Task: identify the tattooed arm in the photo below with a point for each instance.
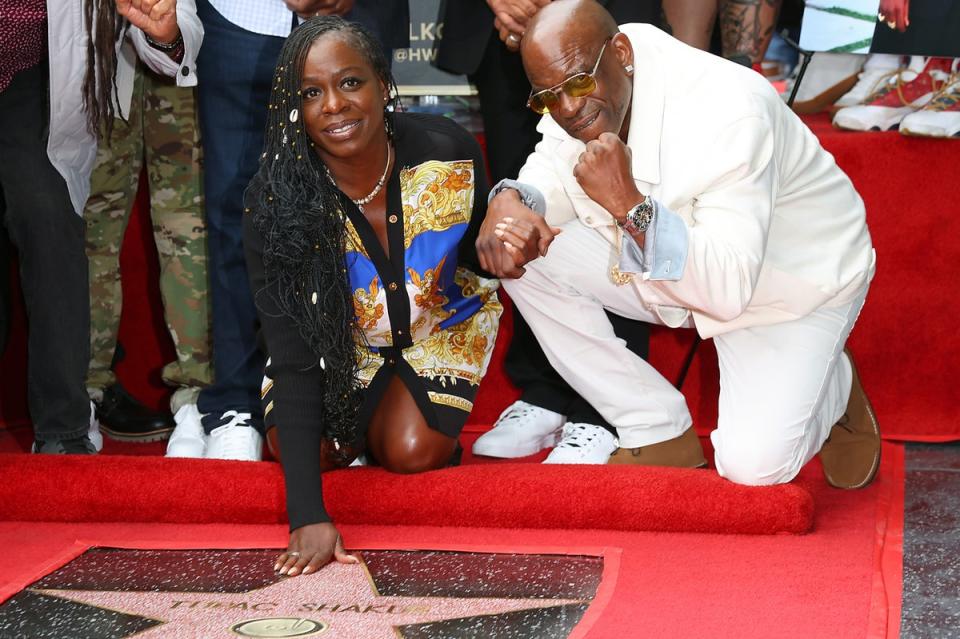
(746, 27)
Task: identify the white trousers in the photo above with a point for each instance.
(782, 387)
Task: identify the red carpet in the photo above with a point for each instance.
(154, 489)
(828, 583)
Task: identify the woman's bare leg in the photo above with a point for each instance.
(399, 437)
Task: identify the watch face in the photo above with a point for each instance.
(641, 215)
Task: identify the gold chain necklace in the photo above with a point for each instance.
(616, 275)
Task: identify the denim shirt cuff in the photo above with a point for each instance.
(665, 246)
(531, 196)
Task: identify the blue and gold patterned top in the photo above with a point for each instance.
(450, 313)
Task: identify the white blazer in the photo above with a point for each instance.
(775, 228)
(71, 147)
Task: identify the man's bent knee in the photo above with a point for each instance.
(756, 462)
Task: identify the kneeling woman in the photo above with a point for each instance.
(359, 233)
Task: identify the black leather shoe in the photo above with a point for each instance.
(123, 417)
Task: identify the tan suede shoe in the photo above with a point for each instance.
(851, 454)
(683, 451)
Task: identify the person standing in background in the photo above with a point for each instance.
(746, 26)
(480, 40)
(243, 39)
(155, 126)
(53, 96)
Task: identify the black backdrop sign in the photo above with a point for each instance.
(413, 67)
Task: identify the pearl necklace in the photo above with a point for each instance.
(377, 187)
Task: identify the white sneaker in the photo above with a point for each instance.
(235, 439)
(521, 430)
(188, 438)
(94, 434)
(583, 444)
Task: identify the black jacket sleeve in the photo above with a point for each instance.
(296, 395)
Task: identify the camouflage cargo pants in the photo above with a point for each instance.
(162, 136)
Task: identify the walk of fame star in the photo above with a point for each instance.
(341, 601)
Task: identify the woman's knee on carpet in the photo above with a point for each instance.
(417, 454)
(400, 437)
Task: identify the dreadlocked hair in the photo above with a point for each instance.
(299, 214)
(99, 81)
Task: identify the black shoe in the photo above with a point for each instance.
(76, 446)
(123, 417)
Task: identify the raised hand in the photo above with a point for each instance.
(311, 548)
(508, 37)
(512, 17)
(156, 18)
(603, 172)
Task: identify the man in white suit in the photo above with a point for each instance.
(688, 195)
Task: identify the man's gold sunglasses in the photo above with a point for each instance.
(576, 86)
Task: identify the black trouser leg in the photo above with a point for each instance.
(49, 238)
(509, 127)
(238, 67)
(5, 303)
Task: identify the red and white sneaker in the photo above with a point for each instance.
(878, 68)
(905, 92)
(940, 118)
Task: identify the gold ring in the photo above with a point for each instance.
(293, 553)
(513, 37)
